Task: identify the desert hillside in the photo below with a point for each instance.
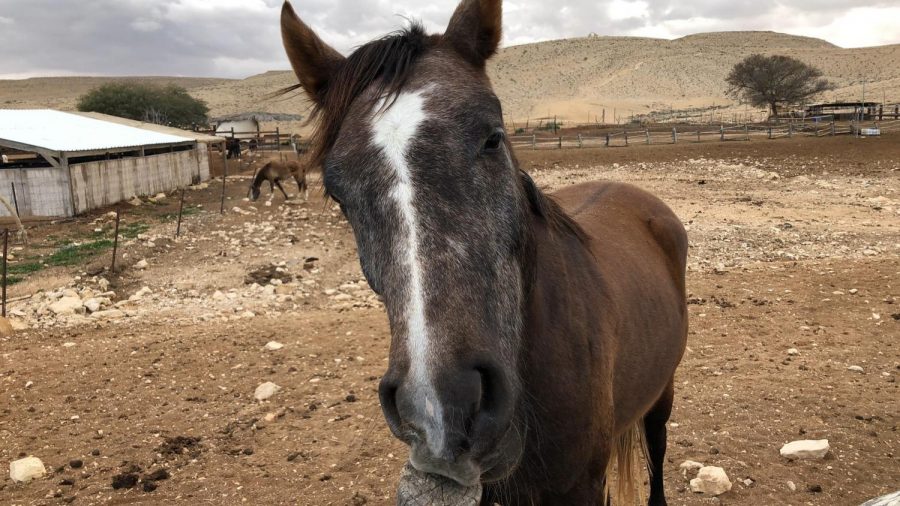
(575, 79)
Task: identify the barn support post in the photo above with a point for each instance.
(64, 163)
(15, 197)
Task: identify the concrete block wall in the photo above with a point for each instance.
(105, 182)
(39, 192)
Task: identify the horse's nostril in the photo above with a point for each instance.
(387, 394)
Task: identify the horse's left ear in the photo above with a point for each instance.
(314, 61)
(475, 29)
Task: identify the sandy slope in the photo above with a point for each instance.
(575, 78)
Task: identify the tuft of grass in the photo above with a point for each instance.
(73, 254)
(24, 267)
(132, 230)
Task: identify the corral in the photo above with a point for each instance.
(792, 276)
(63, 164)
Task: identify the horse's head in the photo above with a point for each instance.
(253, 192)
(411, 140)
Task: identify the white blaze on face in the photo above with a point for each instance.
(394, 129)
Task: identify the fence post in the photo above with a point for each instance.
(722, 133)
(580, 142)
(607, 139)
(5, 254)
(224, 176)
(625, 132)
(112, 266)
(647, 132)
(180, 210)
(674, 135)
(791, 129)
(747, 131)
(832, 127)
(770, 132)
(698, 135)
(560, 142)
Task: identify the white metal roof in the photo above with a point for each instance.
(61, 131)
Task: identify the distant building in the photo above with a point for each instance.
(846, 111)
(63, 164)
(247, 125)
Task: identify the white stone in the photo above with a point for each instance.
(160, 196)
(135, 202)
(711, 480)
(27, 469)
(791, 486)
(68, 344)
(93, 305)
(690, 467)
(266, 390)
(805, 449)
(141, 265)
(855, 368)
(67, 305)
(109, 314)
(793, 351)
(274, 346)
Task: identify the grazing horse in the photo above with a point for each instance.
(534, 338)
(275, 172)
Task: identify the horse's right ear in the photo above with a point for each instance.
(314, 61)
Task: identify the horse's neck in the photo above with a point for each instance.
(260, 176)
(566, 286)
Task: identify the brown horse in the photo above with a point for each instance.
(534, 338)
(275, 172)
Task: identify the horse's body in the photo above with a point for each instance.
(232, 147)
(608, 318)
(534, 339)
(275, 172)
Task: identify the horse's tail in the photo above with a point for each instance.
(624, 458)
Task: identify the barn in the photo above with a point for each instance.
(60, 164)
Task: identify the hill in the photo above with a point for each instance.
(575, 79)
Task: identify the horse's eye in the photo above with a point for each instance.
(493, 142)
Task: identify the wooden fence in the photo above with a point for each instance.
(674, 135)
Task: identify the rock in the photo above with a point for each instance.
(93, 304)
(67, 306)
(885, 500)
(855, 368)
(805, 449)
(136, 201)
(103, 283)
(68, 344)
(711, 480)
(109, 314)
(274, 346)
(160, 196)
(266, 390)
(690, 467)
(416, 487)
(793, 351)
(6, 328)
(141, 265)
(791, 486)
(27, 469)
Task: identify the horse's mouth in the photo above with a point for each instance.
(503, 462)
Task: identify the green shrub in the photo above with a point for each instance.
(165, 105)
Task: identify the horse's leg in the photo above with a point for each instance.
(277, 182)
(655, 435)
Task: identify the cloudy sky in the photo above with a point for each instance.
(238, 38)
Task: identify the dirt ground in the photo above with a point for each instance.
(795, 244)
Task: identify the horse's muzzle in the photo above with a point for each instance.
(457, 424)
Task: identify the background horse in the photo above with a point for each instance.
(534, 339)
(275, 172)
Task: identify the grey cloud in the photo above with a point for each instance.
(236, 38)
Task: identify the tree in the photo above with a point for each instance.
(164, 105)
(772, 81)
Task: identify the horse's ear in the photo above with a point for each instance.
(475, 29)
(314, 61)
